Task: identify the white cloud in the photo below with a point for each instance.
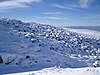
(76, 5)
(65, 7)
(93, 16)
(53, 13)
(16, 3)
(85, 3)
(52, 18)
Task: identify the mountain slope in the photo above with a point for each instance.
(24, 44)
(61, 71)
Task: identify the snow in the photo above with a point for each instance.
(61, 71)
(29, 46)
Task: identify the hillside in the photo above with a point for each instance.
(31, 45)
(62, 71)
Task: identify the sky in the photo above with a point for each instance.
(53, 12)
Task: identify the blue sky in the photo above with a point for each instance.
(53, 12)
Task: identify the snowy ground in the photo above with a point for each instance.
(36, 47)
(67, 71)
(61, 71)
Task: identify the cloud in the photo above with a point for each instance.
(52, 18)
(75, 5)
(93, 16)
(85, 3)
(53, 13)
(9, 4)
(65, 7)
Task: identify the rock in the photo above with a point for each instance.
(27, 56)
(1, 60)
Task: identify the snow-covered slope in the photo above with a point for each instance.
(30, 45)
(61, 71)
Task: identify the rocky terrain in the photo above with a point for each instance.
(29, 44)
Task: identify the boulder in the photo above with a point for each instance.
(1, 60)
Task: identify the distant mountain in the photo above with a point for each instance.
(25, 44)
